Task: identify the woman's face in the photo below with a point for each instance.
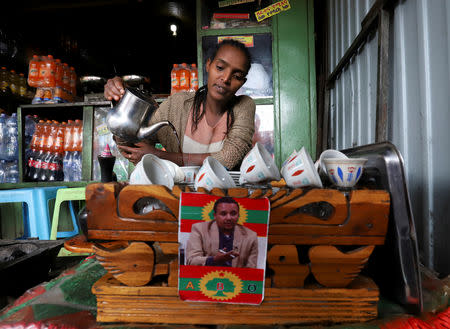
(226, 73)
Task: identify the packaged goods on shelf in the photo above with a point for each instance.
(55, 151)
(183, 77)
(12, 82)
(55, 82)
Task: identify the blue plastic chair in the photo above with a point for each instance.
(37, 217)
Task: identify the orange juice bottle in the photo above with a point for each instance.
(73, 81)
(193, 81)
(51, 71)
(33, 71)
(58, 73)
(184, 75)
(42, 71)
(174, 80)
(66, 77)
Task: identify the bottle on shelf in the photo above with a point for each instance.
(36, 172)
(35, 147)
(14, 82)
(42, 71)
(3, 137)
(193, 81)
(45, 166)
(68, 152)
(77, 149)
(55, 171)
(184, 75)
(4, 80)
(33, 71)
(174, 80)
(49, 78)
(66, 77)
(12, 143)
(12, 172)
(2, 171)
(22, 85)
(58, 73)
(73, 82)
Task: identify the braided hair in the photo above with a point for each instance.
(202, 92)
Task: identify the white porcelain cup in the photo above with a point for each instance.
(328, 154)
(300, 171)
(345, 172)
(258, 166)
(151, 170)
(213, 174)
(175, 170)
(190, 172)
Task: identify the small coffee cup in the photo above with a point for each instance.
(213, 174)
(300, 171)
(151, 170)
(344, 172)
(328, 154)
(258, 166)
(190, 172)
(175, 170)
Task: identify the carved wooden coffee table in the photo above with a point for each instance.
(319, 240)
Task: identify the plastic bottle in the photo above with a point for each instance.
(51, 139)
(30, 127)
(66, 77)
(73, 82)
(41, 151)
(35, 141)
(4, 80)
(184, 75)
(3, 137)
(33, 71)
(42, 71)
(12, 173)
(50, 72)
(11, 152)
(58, 73)
(14, 82)
(174, 80)
(68, 154)
(56, 164)
(77, 145)
(22, 85)
(193, 81)
(2, 171)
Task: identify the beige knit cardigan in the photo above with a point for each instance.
(236, 144)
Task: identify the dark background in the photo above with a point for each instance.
(101, 38)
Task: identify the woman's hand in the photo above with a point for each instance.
(114, 89)
(135, 154)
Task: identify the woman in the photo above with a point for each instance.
(213, 122)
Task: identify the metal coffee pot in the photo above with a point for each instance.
(127, 119)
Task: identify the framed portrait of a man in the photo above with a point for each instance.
(223, 248)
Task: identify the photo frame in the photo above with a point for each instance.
(222, 248)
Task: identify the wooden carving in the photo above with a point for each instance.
(133, 266)
(289, 273)
(333, 268)
(314, 216)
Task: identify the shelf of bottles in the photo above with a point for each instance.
(53, 145)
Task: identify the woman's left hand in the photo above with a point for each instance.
(135, 154)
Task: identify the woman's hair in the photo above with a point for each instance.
(202, 92)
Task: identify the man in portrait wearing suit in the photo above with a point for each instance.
(222, 242)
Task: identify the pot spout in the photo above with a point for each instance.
(146, 132)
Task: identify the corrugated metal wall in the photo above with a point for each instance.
(419, 116)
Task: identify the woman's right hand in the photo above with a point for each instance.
(114, 89)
